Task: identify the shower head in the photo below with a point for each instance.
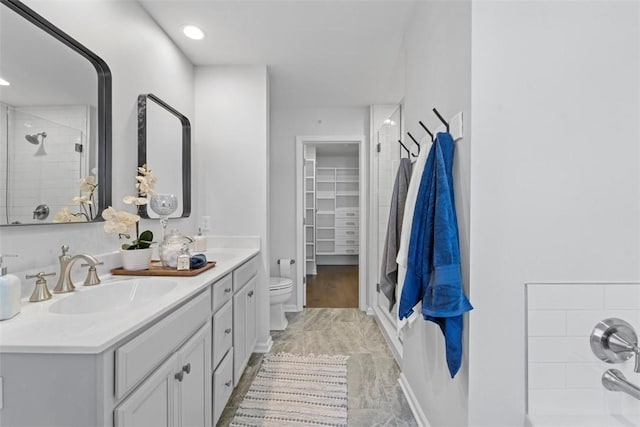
(33, 139)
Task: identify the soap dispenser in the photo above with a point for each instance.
(200, 242)
(10, 292)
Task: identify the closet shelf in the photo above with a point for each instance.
(325, 212)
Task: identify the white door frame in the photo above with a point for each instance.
(363, 253)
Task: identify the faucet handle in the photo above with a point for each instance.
(92, 275)
(41, 291)
(614, 341)
(65, 249)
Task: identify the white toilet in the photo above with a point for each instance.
(280, 289)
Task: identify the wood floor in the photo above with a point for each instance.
(335, 286)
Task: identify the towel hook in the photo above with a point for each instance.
(441, 118)
(406, 149)
(414, 141)
(425, 128)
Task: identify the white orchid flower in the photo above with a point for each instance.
(138, 201)
(65, 215)
(81, 199)
(144, 186)
(88, 184)
(118, 222)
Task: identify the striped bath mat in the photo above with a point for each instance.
(292, 390)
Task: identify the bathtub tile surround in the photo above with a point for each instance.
(375, 398)
(563, 375)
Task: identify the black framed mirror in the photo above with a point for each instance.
(55, 103)
(164, 145)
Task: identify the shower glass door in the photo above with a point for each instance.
(388, 159)
(42, 161)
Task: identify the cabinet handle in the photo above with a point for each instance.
(228, 383)
(227, 331)
(351, 232)
(179, 376)
(350, 251)
(186, 368)
(351, 214)
(351, 223)
(227, 290)
(250, 294)
(351, 241)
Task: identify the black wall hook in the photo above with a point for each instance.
(406, 149)
(414, 141)
(427, 130)
(441, 119)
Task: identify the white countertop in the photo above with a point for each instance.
(37, 330)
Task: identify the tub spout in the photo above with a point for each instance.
(615, 380)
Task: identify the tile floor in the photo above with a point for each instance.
(375, 398)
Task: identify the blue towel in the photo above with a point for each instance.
(433, 267)
(198, 261)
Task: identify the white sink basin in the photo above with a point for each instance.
(113, 296)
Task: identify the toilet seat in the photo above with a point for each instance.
(279, 283)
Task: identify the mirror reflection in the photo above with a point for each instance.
(53, 123)
(164, 140)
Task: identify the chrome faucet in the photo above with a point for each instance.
(65, 284)
(614, 380)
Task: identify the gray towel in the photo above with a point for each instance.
(389, 273)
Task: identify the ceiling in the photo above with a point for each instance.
(319, 53)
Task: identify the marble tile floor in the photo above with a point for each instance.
(375, 397)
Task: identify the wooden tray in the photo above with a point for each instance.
(156, 269)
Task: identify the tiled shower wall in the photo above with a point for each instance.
(61, 168)
(563, 375)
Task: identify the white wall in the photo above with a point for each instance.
(286, 124)
(232, 130)
(142, 59)
(556, 173)
(438, 74)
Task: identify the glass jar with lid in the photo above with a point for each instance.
(173, 244)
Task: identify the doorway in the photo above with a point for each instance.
(331, 221)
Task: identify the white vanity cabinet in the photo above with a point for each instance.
(244, 315)
(175, 367)
(177, 393)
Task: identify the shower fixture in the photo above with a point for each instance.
(33, 139)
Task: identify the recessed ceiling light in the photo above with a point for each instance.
(193, 32)
(3, 82)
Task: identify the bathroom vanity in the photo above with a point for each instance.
(171, 356)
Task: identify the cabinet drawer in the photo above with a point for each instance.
(222, 291)
(138, 357)
(348, 233)
(346, 214)
(222, 385)
(347, 222)
(346, 250)
(347, 241)
(244, 273)
(222, 333)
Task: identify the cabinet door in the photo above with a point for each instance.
(239, 333)
(153, 403)
(250, 318)
(194, 388)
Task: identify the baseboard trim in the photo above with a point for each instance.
(414, 404)
(370, 311)
(263, 347)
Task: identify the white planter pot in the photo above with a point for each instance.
(138, 259)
